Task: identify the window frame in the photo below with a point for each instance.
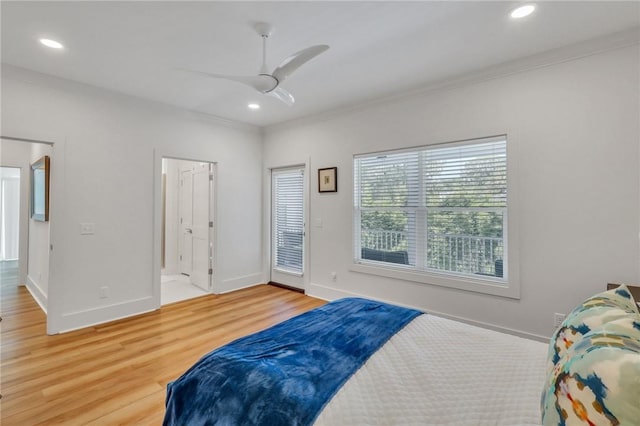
(508, 286)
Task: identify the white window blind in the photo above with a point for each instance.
(440, 208)
(288, 219)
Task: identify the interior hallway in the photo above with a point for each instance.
(8, 285)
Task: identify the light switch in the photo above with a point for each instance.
(87, 228)
(318, 223)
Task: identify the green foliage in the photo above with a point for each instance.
(385, 186)
(478, 186)
(384, 220)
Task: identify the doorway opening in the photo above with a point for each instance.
(24, 223)
(9, 226)
(187, 229)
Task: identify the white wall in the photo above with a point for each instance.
(575, 129)
(39, 239)
(106, 170)
(18, 154)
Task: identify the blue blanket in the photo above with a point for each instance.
(286, 374)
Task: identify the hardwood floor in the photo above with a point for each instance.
(117, 373)
(8, 273)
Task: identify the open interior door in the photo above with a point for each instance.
(185, 232)
(201, 225)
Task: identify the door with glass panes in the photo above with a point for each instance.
(288, 226)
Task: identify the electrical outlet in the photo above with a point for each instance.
(104, 292)
(557, 319)
(334, 277)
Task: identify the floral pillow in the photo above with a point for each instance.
(597, 381)
(589, 315)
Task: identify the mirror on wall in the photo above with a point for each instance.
(40, 189)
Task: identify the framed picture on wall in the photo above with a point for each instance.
(40, 189)
(328, 179)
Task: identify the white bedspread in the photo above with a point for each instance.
(441, 372)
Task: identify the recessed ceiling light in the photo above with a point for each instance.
(253, 106)
(522, 11)
(51, 43)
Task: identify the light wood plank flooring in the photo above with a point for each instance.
(117, 373)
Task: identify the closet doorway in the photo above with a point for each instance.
(187, 231)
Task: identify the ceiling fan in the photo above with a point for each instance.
(270, 83)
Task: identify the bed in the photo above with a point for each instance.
(359, 362)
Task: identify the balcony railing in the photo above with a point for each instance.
(465, 254)
(378, 239)
(289, 242)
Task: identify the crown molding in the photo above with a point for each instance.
(548, 58)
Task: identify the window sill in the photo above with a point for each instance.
(477, 285)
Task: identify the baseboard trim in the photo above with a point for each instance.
(36, 292)
(329, 293)
(238, 283)
(103, 314)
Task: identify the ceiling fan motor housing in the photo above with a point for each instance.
(265, 83)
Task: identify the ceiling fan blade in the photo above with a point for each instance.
(296, 60)
(282, 95)
(262, 82)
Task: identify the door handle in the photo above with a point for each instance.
(189, 230)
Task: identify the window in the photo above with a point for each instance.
(434, 210)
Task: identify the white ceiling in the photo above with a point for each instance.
(377, 48)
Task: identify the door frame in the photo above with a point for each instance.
(269, 217)
(52, 302)
(156, 223)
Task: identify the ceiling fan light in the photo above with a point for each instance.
(522, 11)
(51, 43)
